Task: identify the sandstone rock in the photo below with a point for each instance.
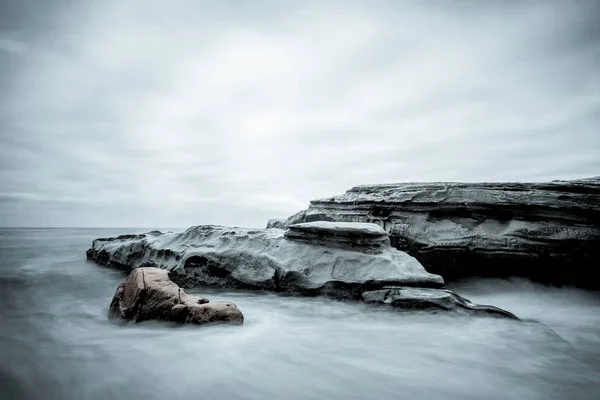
(149, 294)
(549, 232)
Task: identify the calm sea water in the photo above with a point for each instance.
(56, 342)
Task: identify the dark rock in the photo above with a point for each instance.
(548, 232)
(430, 300)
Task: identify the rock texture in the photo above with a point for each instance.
(370, 238)
(338, 258)
(341, 260)
(429, 299)
(549, 232)
(149, 294)
(279, 223)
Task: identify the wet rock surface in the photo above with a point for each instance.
(430, 300)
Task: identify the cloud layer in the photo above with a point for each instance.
(153, 113)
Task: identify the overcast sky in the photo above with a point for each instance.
(176, 113)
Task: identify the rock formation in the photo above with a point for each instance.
(428, 299)
(279, 223)
(341, 260)
(549, 232)
(149, 294)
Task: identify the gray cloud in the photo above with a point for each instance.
(144, 113)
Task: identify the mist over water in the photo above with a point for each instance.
(56, 341)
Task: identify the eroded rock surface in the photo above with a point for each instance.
(325, 258)
(149, 294)
(549, 232)
(341, 260)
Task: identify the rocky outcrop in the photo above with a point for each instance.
(149, 294)
(338, 260)
(549, 232)
(279, 223)
(341, 260)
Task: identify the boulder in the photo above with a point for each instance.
(548, 232)
(149, 294)
(340, 260)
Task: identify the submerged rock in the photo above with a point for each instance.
(430, 299)
(341, 260)
(149, 294)
(549, 232)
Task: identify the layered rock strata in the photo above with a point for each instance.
(549, 232)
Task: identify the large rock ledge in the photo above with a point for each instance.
(346, 261)
(548, 232)
(149, 294)
(366, 237)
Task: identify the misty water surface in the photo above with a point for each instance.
(56, 342)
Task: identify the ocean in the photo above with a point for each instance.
(57, 343)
